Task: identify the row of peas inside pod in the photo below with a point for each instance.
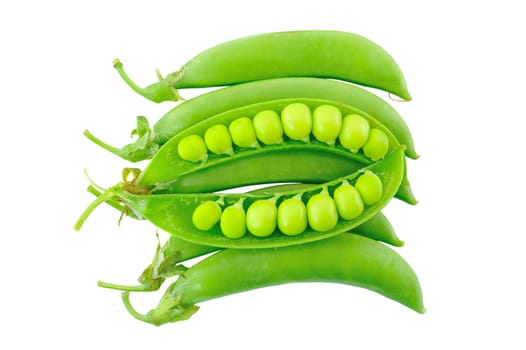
(297, 123)
(341, 166)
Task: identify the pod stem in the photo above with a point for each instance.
(138, 288)
(105, 195)
(168, 310)
(99, 142)
(163, 90)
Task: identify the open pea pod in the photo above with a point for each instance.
(184, 115)
(192, 161)
(176, 213)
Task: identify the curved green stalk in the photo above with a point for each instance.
(164, 90)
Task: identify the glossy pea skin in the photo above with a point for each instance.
(326, 123)
(232, 221)
(262, 218)
(348, 201)
(267, 125)
(377, 145)
(217, 139)
(297, 121)
(370, 187)
(206, 215)
(192, 148)
(243, 133)
(347, 259)
(321, 212)
(354, 132)
(292, 217)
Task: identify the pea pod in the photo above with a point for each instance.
(219, 101)
(287, 161)
(347, 259)
(173, 213)
(315, 53)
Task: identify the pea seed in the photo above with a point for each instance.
(206, 215)
(261, 218)
(348, 201)
(377, 145)
(268, 127)
(321, 212)
(232, 221)
(192, 148)
(217, 139)
(370, 187)
(292, 217)
(354, 133)
(297, 121)
(326, 123)
(242, 132)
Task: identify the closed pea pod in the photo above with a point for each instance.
(346, 259)
(326, 123)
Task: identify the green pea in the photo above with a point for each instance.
(354, 133)
(217, 139)
(261, 218)
(268, 127)
(370, 187)
(297, 121)
(377, 145)
(242, 132)
(326, 123)
(206, 215)
(192, 148)
(232, 221)
(321, 212)
(292, 217)
(348, 201)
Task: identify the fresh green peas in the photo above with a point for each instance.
(377, 145)
(370, 187)
(348, 201)
(206, 215)
(268, 127)
(192, 148)
(232, 221)
(243, 133)
(217, 139)
(321, 212)
(261, 218)
(354, 133)
(297, 121)
(326, 123)
(292, 217)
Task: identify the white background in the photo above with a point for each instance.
(464, 64)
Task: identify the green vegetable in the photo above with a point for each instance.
(315, 53)
(173, 212)
(220, 101)
(346, 259)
